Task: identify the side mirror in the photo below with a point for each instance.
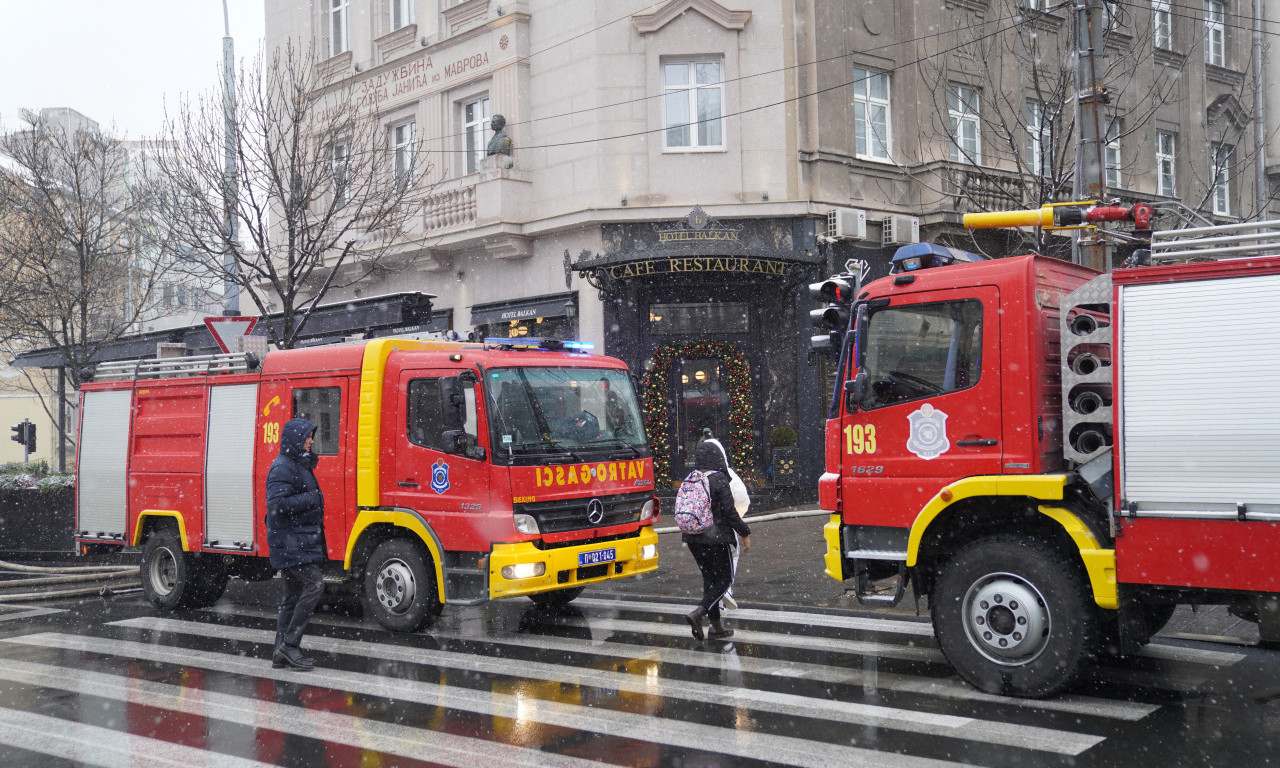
(453, 404)
(459, 443)
(854, 390)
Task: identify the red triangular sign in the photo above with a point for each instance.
(226, 330)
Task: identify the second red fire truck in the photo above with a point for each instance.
(451, 472)
(1055, 457)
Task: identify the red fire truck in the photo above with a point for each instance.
(451, 472)
(1057, 458)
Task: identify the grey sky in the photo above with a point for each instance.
(117, 63)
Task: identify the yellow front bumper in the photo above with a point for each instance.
(562, 569)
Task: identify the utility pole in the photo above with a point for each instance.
(231, 286)
(1259, 112)
(1090, 182)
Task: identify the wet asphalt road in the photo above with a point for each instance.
(613, 679)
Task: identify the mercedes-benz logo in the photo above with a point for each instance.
(595, 511)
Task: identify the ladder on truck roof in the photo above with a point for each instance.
(176, 367)
(1226, 241)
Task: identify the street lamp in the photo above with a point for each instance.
(571, 314)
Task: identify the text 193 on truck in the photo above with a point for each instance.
(451, 472)
(1054, 457)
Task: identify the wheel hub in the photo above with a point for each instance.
(395, 586)
(163, 571)
(1006, 618)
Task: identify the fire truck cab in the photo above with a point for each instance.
(451, 472)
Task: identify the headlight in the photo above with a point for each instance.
(523, 570)
(647, 511)
(526, 524)
(648, 551)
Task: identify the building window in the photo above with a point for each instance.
(1166, 161)
(1037, 5)
(1161, 25)
(1215, 32)
(1221, 155)
(1113, 153)
(693, 105)
(966, 142)
(475, 127)
(702, 319)
(337, 13)
(401, 13)
(341, 165)
(872, 130)
(1038, 157)
(402, 151)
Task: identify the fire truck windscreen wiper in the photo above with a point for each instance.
(616, 442)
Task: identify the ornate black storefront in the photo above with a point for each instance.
(713, 316)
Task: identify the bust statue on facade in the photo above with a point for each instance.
(500, 144)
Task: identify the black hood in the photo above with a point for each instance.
(293, 435)
(708, 456)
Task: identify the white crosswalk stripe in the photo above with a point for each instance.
(610, 670)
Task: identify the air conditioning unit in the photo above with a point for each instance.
(846, 224)
(900, 230)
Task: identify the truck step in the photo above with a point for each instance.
(869, 592)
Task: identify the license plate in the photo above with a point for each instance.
(597, 556)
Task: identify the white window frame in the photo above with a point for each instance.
(1166, 163)
(689, 95)
(1037, 5)
(964, 109)
(337, 16)
(399, 14)
(1215, 33)
(1220, 156)
(1037, 152)
(1161, 25)
(340, 162)
(1113, 159)
(474, 114)
(403, 149)
(872, 141)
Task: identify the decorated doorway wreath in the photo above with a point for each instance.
(657, 413)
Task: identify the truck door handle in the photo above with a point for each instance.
(407, 483)
(981, 441)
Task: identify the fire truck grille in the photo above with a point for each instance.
(575, 514)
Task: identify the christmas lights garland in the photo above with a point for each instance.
(656, 382)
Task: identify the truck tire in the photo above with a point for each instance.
(557, 599)
(1013, 616)
(167, 572)
(208, 581)
(400, 587)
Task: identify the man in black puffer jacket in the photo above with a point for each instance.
(711, 549)
(295, 538)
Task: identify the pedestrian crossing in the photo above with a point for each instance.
(612, 682)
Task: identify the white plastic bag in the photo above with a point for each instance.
(741, 500)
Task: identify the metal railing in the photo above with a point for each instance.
(1225, 241)
(175, 367)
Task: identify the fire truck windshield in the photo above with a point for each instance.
(563, 414)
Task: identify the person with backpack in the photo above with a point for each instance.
(706, 515)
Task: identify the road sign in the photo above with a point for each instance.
(226, 330)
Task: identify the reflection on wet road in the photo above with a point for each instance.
(604, 681)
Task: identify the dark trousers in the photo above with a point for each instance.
(303, 588)
(716, 563)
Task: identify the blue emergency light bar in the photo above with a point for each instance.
(910, 258)
(532, 343)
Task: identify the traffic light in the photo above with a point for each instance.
(19, 433)
(833, 319)
(30, 438)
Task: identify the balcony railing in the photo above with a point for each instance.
(446, 209)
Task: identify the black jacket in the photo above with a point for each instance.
(707, 457)
(295, 506)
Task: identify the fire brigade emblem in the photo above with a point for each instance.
(928, 438)
(439, 476)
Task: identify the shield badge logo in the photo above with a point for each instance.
(439, 476)
(928, 438)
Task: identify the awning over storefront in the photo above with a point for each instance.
(378, 316)
(698, 245)
(522, 309)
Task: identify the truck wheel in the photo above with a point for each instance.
(208, 581)
(400, 587)
(166, 572)
(1013, 616)
(557, 599)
